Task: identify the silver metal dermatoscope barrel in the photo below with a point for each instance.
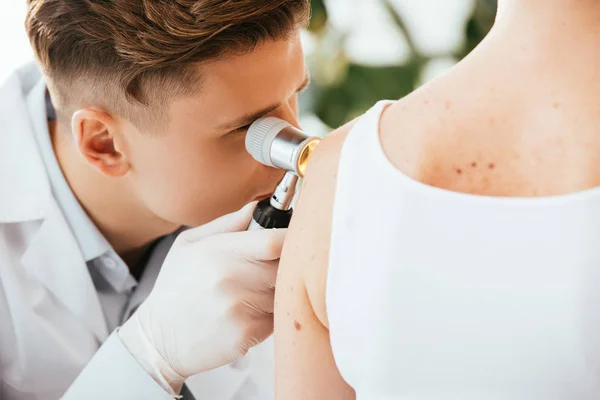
(275, 143)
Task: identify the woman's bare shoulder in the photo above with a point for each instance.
(307, 244)
(477, 130)
(306, 366)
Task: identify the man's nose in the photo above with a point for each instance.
(289, 113)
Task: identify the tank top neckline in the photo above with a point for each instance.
(371, 126)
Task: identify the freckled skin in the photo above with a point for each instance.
(528, 118)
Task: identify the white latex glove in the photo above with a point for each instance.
(212, 301)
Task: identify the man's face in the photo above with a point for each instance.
(199, 168)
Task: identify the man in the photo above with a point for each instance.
(133, 130)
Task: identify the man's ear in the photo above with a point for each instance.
(95, 134)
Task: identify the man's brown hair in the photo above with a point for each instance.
(131, 54)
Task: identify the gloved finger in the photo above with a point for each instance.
(234, 222)
(261, 330)
(258, 303)
(250, 281)
(255, 335)
(259, 245)
(269, 276)
(259, 275)
(250, 300)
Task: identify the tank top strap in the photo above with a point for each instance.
(358, 172)
(364, 136)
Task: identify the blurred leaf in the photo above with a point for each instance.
(363, 87)
(342, 90)
(328, 62)
(399, 21)
(319, 16)
(479, 25)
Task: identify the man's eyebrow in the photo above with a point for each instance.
(250, 118)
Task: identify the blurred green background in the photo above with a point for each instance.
(343, 89)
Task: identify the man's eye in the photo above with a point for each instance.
(242, 129)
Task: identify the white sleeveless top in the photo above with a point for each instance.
(433, 294)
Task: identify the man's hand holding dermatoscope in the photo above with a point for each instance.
(212, 301)
(214, 297)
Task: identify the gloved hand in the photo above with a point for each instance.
(212, 301)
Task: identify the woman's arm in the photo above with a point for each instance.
(304, 364)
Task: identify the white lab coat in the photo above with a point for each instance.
(51, 321)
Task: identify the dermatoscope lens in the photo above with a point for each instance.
(304, 156)
(276, 143)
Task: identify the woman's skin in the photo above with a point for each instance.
(518, 117)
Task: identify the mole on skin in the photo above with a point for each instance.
(459, 171)
(297, 325)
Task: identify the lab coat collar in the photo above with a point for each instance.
(24, 187)
(53, 256)
(91, 242)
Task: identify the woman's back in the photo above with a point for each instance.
(434, 294)
(464, 252)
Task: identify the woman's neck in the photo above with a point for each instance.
(563, 32)
(550, 13)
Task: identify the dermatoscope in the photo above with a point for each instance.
(275, 143)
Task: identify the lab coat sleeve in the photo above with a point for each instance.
(113, 373)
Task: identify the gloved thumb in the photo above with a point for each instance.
(234, 222)
(258, 245)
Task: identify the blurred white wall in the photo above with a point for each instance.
(13, 40)
(436, 27)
